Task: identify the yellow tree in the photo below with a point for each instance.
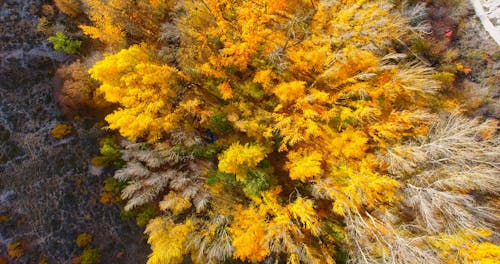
(118, 22)
(144, 89)
(318, 97)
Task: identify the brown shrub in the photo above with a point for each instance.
(75, 91)
(69, 7)
(61, 131)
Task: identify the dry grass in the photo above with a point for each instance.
(447, 177)
(378, 241)
(453, 141)
(458, 158)
(149, 171)
(437, 211)
(216, 248)
(417, 15)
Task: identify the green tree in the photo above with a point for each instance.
(63, 43)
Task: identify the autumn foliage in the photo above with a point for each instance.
(69, 7)
(290, 131)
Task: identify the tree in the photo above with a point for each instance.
(308, 134)
(118, 22)
(77, 93)
(63, 43)
(145, 90)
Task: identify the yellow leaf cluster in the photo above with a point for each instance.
(303, 166)
(106, 27)
(249, 232)
(266, 225)
(226, 90)
(290, 92)
(400, 124)
(466, 247)
(175, 203)
(350, 143)
(144, 90)
(353, 190)
(167, 240)
(116, 22)
(61, 131)
(303, 210)
(238, 159)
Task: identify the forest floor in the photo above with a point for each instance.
(47, 195)
(458, 43)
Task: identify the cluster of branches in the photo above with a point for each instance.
(291, 130)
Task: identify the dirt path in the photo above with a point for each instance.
(489, 13)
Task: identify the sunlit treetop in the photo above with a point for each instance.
(296, 106)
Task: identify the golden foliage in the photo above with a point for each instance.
(83, 240)
(248, 225)
(69, 7)
(296, 102)
(303, 210)
(303, 166)
(143, 88)
(238, 159)
(354, 190)
(16, 249)
(106, 28)
(167, 240)
(61, 131)
(117, 22)
(466, 247)
(275, 228)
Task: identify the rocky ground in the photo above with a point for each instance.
(47, 196)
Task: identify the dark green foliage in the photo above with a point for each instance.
(146, 147)
(219, 124)
(113, 185)
(63, 43)
(252, 90)
(111, 192)
(110, 149)
(335, 233)
(141, 214)
(255, 182)
(217, 176)
(495, 56)
(208, 151)
(265, 163)
(183, 150)
(145, 215)
(270, 104)
(110, 154)
(230, 261)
